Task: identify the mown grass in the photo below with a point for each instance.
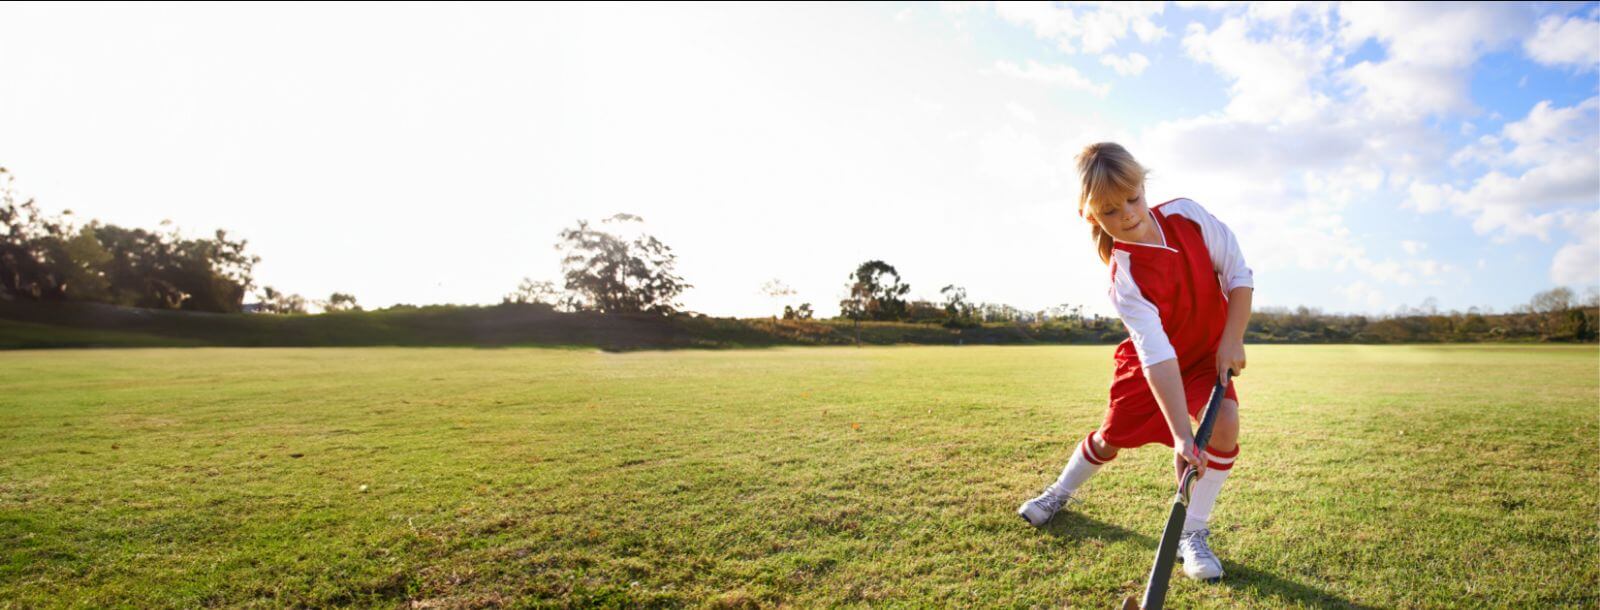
(1374, 477)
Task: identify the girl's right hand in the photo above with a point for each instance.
(1186, 454)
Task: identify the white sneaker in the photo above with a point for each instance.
(1199, 562)
(1039, 510)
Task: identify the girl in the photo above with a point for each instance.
(1182, 289)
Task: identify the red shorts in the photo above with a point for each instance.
(1134, 418)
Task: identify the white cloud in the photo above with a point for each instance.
(1408, 90)
(1052, 74)
(1570, 41)
(1578, 263)
(1115, 20)
(1412, 247)
(1289, 15)
(1018, 159)
(1553, 163)
(1093, 31)
(1271, 79)
(1549, 134)
(1021, 113)
(1048, 22)
(1428, 267)
(1132, 65)
(1385, 271)
(1362, 294)
(1428, 50)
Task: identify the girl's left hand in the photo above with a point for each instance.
(1230, 355)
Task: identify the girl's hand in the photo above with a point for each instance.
(1186, 454)
(1230, 355)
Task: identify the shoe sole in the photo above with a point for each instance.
(1213, 580)
(1030, 522)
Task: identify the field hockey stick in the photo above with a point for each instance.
(1155, 590)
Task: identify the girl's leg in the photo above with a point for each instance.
(1086, 460)
(1219, 453)
(1198, 560)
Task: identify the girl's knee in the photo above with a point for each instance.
(1225, 433)
(1102, 447)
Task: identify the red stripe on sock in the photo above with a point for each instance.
(1232, 456)
(1088, 444)
(1223, 454)
(1088, 454)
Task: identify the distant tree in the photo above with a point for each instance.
(1555, 299)
(780, 292)
(1066, 312)
(919, 310)
(610, 274)
(1000, 312)
(338, 302)
(803, 312)
(530, 292)
(854, 307)
(47, 258)
(877, 288)
(959, 314)
(1552, 308)
(31, 248)
(167, 271)
(276, 302)
(956, 306)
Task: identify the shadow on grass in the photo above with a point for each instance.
(1075, 526)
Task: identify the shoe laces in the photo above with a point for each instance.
(1195, 541)
(1055, 503)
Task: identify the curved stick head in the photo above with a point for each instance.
(1186, 485)
(1128, 603)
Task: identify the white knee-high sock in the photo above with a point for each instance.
(1204, 495)
(1083, 464)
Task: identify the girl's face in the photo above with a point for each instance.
(1127, 220)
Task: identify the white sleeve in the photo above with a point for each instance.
(1226, 257)
(1138, 314)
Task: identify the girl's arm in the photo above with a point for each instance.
(1230, 354)
(1159, 358)
(1166, 381)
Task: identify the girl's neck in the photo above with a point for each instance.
(1151, 234)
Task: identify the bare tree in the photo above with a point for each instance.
(780, 292)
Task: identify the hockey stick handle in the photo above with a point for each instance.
(1208, 419)
(1202, 435)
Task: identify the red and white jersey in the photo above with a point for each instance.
(1172, 295)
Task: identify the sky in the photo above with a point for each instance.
(1369, 156)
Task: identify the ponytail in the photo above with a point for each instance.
(1102, 242)
(1109, 174)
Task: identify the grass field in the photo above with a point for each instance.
(1376, 477)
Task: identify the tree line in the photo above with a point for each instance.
(614, 267)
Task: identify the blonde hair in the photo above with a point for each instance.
(1110, 177)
